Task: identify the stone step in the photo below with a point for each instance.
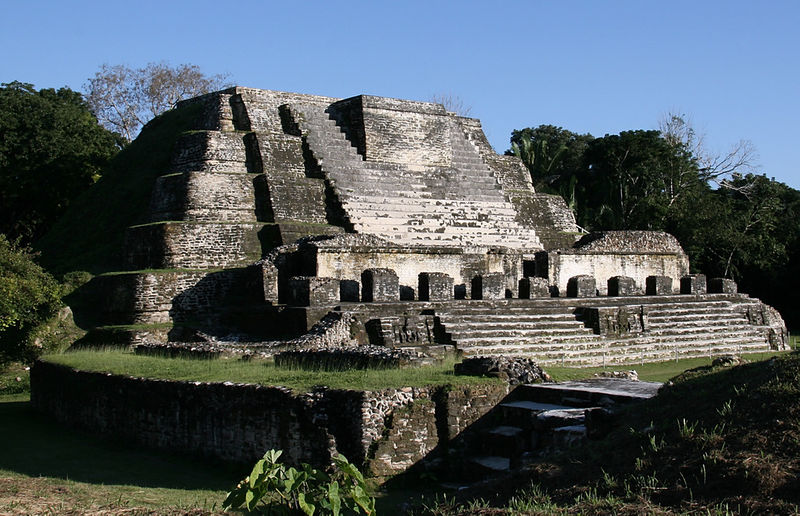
(721, 321)
(509, 344)
(456, 239)
(556, 325)
(680, 331)
(434, 221)
(490, 464)
(388, 204)
(538, 333)
(505, 441)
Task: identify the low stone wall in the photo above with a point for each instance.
(387, 431)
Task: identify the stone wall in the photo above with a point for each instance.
(210, 151)
(387, 430)
(347, 264)
(406, 132)
(204, 197)
(563, 265)
(194, 245)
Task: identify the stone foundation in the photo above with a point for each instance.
(387, 431)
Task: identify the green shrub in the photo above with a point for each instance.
(29, 296)
(282, 490)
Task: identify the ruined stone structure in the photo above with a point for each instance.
(279, 208)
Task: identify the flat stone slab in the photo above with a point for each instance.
(494, 463)
(506, 431)
(550, 417)
(534, 406)
(619, 389)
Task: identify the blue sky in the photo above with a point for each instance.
(732, 67)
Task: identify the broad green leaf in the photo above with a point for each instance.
(306, 507)
(333, 496)
(257, 471)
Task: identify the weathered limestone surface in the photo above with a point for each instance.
(621, 286)
(658, 285)
(694, 284)
(581, 285)
(435, 286)
(636, 254)
(379, 285)
(722, 286)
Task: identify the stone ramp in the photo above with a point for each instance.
(645, 329)
(461, 205)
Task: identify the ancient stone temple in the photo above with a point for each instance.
(286, 219)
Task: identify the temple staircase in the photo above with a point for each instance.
(459, 206)
(563, 332)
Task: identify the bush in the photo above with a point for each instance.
(29, 296)
(283, 490)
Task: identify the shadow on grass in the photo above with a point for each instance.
(38, 446)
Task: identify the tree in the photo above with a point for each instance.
(51, 150)
(452, 103)
(554, 157)
(124, 99)
(28, 297)
(631, 180)
(714, 167)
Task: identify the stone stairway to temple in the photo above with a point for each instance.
(460, 206)
(539, 419)
(559, 332)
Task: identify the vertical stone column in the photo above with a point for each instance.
(491, 285)
(621, 286)
(435, 286)
(694, 284)
(722, 286)
(658, 286)
(269, 281)
(582, 285)
(313, 291)
(379, 285)
(533, 287)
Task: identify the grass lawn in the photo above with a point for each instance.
(47, 469)
(262, 373)
(649, 371)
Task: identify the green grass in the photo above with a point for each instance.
(649, 371)
(262, 373)
(43, 461)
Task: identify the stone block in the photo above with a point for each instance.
(435, 286)
(621, 286)
(694, 284)
(533, 287)
(313, 291)
(722, 286)
(379, 285)
(489, 286)
(582, 285)
(269, 281)
(658, 286)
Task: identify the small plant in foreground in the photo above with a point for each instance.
(283, 490)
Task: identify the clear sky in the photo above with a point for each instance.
(731, 66)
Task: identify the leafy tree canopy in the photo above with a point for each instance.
(51, 150)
